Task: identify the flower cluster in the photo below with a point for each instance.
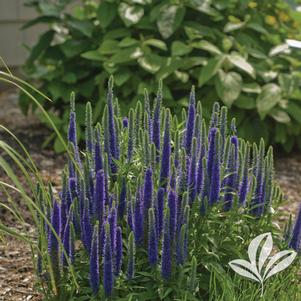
(137, 180)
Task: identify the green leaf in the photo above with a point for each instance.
(38, 20)
(69, 78)
(49, 9)
(106, 13)
(228, 86)
(169, 67)
(205, 45)
(251, 88)
(280, 115)
(193, 61)
(179, 48)
(150, 62)
(209, 70)
(156, 43)
(245, 102)
(108, 47)
(288, 83)
(170, 18)
(241, 63)
(117, 33)
(233, 26)
(42, 45)
(257, 27)
(92, 55)
(130, 14)
(72, 48)
(294, 110)
(267, 99)
(126, 55)
(84, 26)
(127, 42)
(121, 77)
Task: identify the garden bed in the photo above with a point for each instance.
(17, 279)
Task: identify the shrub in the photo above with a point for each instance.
(153, 206)
(235, 51)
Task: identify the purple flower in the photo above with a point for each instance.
(138, 219)
(107, 263)
(72, 124)
(166, 248)
(66, 244)
(160, 210)
(180, 245)
(152, 238)
(53, 245)
(86, 227)
(192, 173)
(166, 150)
(125, 122)
(111, 126)
(98, 152)
(190, 122)
(213, 166)
(148, 190)
(223, 127)
(99, 196)
(243, 187)
(295, 241)
(118, 256)
(112, 219)
(200, 175)
(172, 205)
(94, 261)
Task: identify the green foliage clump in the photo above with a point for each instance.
(234, 51)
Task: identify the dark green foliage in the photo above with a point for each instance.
(233, 51)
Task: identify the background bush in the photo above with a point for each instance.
(234, 51)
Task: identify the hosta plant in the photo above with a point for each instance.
(154, 208)
(234, 51)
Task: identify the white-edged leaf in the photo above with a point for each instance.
(245, 269)
(288, 256)
(279, 49)
(293, 43)
(241, 63)
(265, 252)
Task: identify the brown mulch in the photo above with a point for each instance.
(16, 271)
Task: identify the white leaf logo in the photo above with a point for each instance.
(259, 251)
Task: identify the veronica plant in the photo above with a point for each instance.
(149, 194)
(153, 206)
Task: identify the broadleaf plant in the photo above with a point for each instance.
(242, 53)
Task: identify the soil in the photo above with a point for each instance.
(16, 271)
